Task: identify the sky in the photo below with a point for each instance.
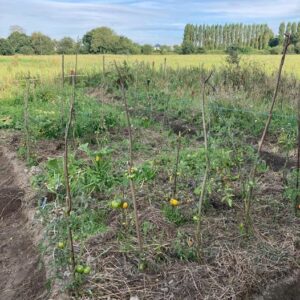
(144, 21)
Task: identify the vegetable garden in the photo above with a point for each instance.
(161, 182)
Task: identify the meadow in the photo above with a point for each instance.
(165, 203)
(49, 66)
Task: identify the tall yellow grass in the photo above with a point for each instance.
(14, 67)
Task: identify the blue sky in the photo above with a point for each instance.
(144, 21)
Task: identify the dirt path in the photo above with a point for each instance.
(22, 275)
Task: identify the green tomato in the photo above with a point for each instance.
(79, 269)
(196, 218)
(115, 204)
(60, 245)
(141, 266)
(87, 270)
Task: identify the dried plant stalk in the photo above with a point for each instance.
(67, 179)
(26, 119)
(176, 164)
(130, 164)
(249, 196)
(198, 236)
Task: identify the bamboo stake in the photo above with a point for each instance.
(67, 181)
(130, 164)
(297, 200)
(26, 119)
(198, 237)
(248, 199)
(103, 65)
(63, 70)
(176, 165)
(76, 64)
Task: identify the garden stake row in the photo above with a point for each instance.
(249, 196)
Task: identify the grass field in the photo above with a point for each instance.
(48, 66)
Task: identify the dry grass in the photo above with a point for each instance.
(49, 66)
(233, 268)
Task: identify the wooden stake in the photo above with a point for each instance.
(26, 119)
(249, 196)
(103, 65)
(130, 164)
(67, 181)
(207, 168)
(297, 200)
(63, 70)
(76, 63)
(176, 164)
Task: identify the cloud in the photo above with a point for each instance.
(145, 21)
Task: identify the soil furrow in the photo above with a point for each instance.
(22, 274)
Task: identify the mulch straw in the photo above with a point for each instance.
(233, 267)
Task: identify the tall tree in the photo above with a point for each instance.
(281, 32)
(66, 45)
(294, 28)
(187, 44)
(42, 44)
(20, 42)
(16, 28)
(289, 27)
(5, 47)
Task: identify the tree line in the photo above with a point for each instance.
(196, 39)
(98, 40)
(200, 38)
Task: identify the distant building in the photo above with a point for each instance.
(157, 47)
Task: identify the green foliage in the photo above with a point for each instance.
(19, 42)
(6, 48)
(147, 49)
(42, 44)
(143, 173)
(174, 215)
(94, 175)
(233, 57)
(66, 45)
(276, 50)
(291, 192)
(215, 37)
(105, 40)
(183, 247)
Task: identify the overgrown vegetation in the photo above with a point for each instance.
(162, 125)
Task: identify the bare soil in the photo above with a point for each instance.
(22, 274)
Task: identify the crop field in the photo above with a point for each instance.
(50, 65)
(151, 181)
